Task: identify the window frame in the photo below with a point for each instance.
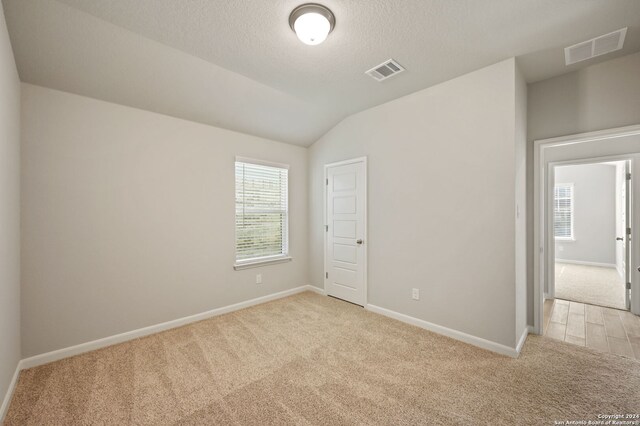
(571, 237)
(254, 262)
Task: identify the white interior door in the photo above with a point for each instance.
(626, 194)
(620, 218)
(345, 229)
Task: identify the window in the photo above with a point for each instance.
(563, 211)
(261, 213)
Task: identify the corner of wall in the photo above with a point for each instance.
(10, 332)
(520, 140)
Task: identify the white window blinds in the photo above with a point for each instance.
(563, 211)
(261, 212)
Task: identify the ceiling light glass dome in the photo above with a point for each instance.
(312, 23)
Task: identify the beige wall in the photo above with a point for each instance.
(128, 219)
(441, 201)
(126, 213)
(9, 212)
(598, 97)
(594, 213)
(521, 202)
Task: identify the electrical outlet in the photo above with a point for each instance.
(259, 279)
(415, 294)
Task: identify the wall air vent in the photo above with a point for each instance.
(385, 70)
(595, 47)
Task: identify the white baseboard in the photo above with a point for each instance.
(523, 338)
(7, 397)
(56, 355)
(586, 263)
(454, 334)
(317, 290)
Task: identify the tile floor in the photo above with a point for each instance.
(604, 329)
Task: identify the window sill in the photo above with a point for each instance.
(565, 240)
(261, 262)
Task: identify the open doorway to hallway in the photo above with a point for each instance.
(556, 214)
(590, 230)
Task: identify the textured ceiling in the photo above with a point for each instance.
(237, 65)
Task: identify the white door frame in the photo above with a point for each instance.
(366, 208)
(544, 253)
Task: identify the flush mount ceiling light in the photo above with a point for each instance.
(312, 23)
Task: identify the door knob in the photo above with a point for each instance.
(359, 241)
(620, 239)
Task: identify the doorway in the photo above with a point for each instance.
(345, 243)
(620, 144)
(590, 233)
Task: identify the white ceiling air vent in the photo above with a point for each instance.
(595, 47)
(385, 70)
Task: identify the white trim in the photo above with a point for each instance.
(454, 334)
(345, 162)
(540, 180)
(365, 226)
(7, 397)
(59, 354)
(523, 338)
(275, 258)
(260, 261)
(599, 135)
(318, 290)
(261, 162)
(584, 262)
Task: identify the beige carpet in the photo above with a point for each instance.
(594, 285)
(309, 359)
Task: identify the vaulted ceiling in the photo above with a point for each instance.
(237, 64)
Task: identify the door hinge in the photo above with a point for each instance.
(628, 231)
(326, 228)
(628, 176)
(326, 182)
(628, 286)
(326, 275)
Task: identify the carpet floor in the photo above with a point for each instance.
(314, 360)
(594, 285)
